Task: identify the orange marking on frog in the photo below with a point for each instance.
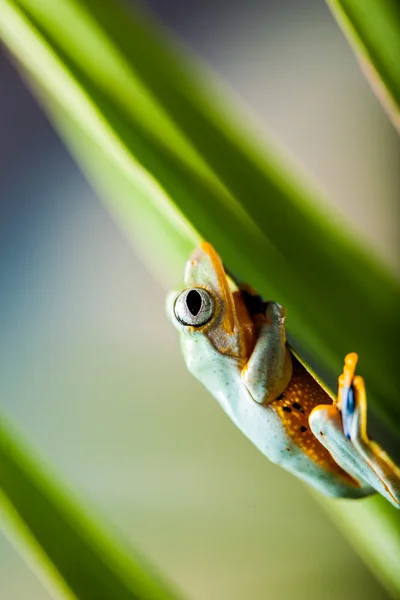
(294, 406)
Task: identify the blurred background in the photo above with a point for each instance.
(90, 369)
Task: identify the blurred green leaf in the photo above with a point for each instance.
(78, 559)
(372, 525)
(173, 167)
(373, 29)
(266, 222)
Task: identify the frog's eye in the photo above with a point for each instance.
(194, 307)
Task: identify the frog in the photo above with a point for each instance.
(235, 344)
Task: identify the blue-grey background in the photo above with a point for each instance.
(90, 369)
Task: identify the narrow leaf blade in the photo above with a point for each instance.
(69, 549)
(373, 30)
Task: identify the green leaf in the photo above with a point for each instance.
(373, 29)
(372, 525)
(77, 558)
(261, 215)
(173, 167)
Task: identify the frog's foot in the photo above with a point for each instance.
(352, 401)
(346, 400)
(269, 368)
(342, 429)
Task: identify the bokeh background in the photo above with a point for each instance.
(90, 369)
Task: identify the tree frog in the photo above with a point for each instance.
(235, 344)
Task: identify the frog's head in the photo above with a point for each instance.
(211, 306)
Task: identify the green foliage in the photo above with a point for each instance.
(78, 559)
(262, 217)
(174, 168)
(373, 525)
(373, 29)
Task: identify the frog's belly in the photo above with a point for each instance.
(263, 426)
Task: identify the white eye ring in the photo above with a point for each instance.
(194, 307)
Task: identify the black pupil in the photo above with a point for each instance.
(193, 302)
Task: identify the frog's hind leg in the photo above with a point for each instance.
(342, 429)
(375, 457)
(326, 424)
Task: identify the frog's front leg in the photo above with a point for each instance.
(342, 429)
(269, 369)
